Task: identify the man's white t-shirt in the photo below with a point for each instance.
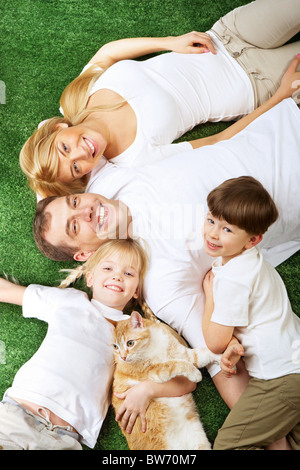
(171, 93)
(250, 295)
(71, 373)
(168, 205)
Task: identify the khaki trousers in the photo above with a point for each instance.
(21, 430)
(267, 411)
(255, 34)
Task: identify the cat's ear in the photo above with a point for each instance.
(136, 320)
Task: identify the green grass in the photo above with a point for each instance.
(44, 45)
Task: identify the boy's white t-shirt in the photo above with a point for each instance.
(250, 295)
(71, 373)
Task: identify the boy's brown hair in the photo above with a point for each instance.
(243, 202)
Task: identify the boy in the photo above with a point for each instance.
(246, 297)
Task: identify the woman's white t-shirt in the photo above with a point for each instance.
(250, 295)
(71, 373)
(171, 94)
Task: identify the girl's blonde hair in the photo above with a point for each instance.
(131, 251)
(39, 158)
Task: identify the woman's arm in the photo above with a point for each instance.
(11, 293)
(290, 82)
(137, 399)
(189, 43)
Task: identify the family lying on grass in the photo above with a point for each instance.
(59, 398)
(138, 228)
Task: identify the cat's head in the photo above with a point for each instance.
(131, 339)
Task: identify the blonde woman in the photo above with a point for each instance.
(131, 112)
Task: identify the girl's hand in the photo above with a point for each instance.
(290, 82)
(136, 402)
(191, 43)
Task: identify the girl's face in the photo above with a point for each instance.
(80, 149)
(114, 281)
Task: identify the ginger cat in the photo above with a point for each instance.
(149, 350)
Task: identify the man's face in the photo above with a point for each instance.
(84, 221)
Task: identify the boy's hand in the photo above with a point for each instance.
(136, 402)
(231, 357)
(208, 283)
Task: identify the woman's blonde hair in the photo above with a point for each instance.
(39, 158)
(132, 252)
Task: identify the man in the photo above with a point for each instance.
(165, 205)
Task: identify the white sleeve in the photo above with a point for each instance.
(168, 150)
(231, 302)
(144, 153)
(43, 302)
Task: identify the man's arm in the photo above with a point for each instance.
(11, 293)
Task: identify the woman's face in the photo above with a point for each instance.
(80, 149)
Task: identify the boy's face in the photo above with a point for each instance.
(226, 240)
(113, 281)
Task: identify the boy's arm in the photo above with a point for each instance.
(11, 293)
(137, 399)
(216, 336)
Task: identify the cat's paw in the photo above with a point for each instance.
(215, 358)
(194, 375)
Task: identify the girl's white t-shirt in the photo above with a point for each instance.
(250, 295)
(71, 373)
(171, 93)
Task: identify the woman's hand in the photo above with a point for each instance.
(191, 43)
(290, 82)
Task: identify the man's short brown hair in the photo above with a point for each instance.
(243, 202)
(41, 224)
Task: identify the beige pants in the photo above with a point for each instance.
(21, 430)
(267, 411)
(255, 34)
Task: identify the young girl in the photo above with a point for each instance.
(59, 398)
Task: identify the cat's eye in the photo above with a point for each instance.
(115, 346)
(130, 343)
